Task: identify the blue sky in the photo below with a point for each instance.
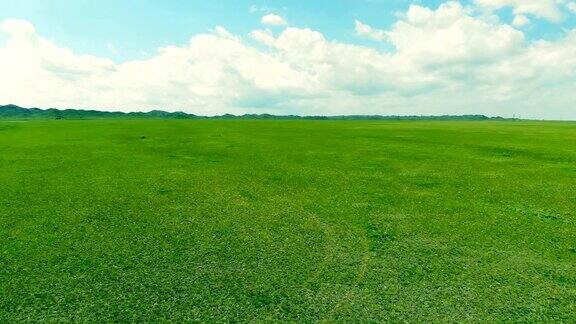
(128, 29)
(329, 57)
(134, 27)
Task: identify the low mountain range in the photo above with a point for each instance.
(16, 112)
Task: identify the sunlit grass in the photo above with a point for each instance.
(287, 220)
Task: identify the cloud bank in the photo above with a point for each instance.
(445, 60)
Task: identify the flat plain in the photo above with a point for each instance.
(236, 220)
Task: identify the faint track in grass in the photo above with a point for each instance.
(329, 233)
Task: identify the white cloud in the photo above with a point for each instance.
(366, 31)
(263, 36)
(450, 35)
(520, 21)
(273, 20)
(18, 27)
(444, 61)
(571, 6)
(35, 69)
(547, 9)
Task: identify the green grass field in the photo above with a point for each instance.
(149, 220)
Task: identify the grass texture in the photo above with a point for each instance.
(307, 221)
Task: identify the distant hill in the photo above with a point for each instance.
(13, 111)
(16, 112)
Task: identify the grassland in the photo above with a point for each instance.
(127, 220)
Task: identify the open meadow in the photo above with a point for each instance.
(263, 220)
